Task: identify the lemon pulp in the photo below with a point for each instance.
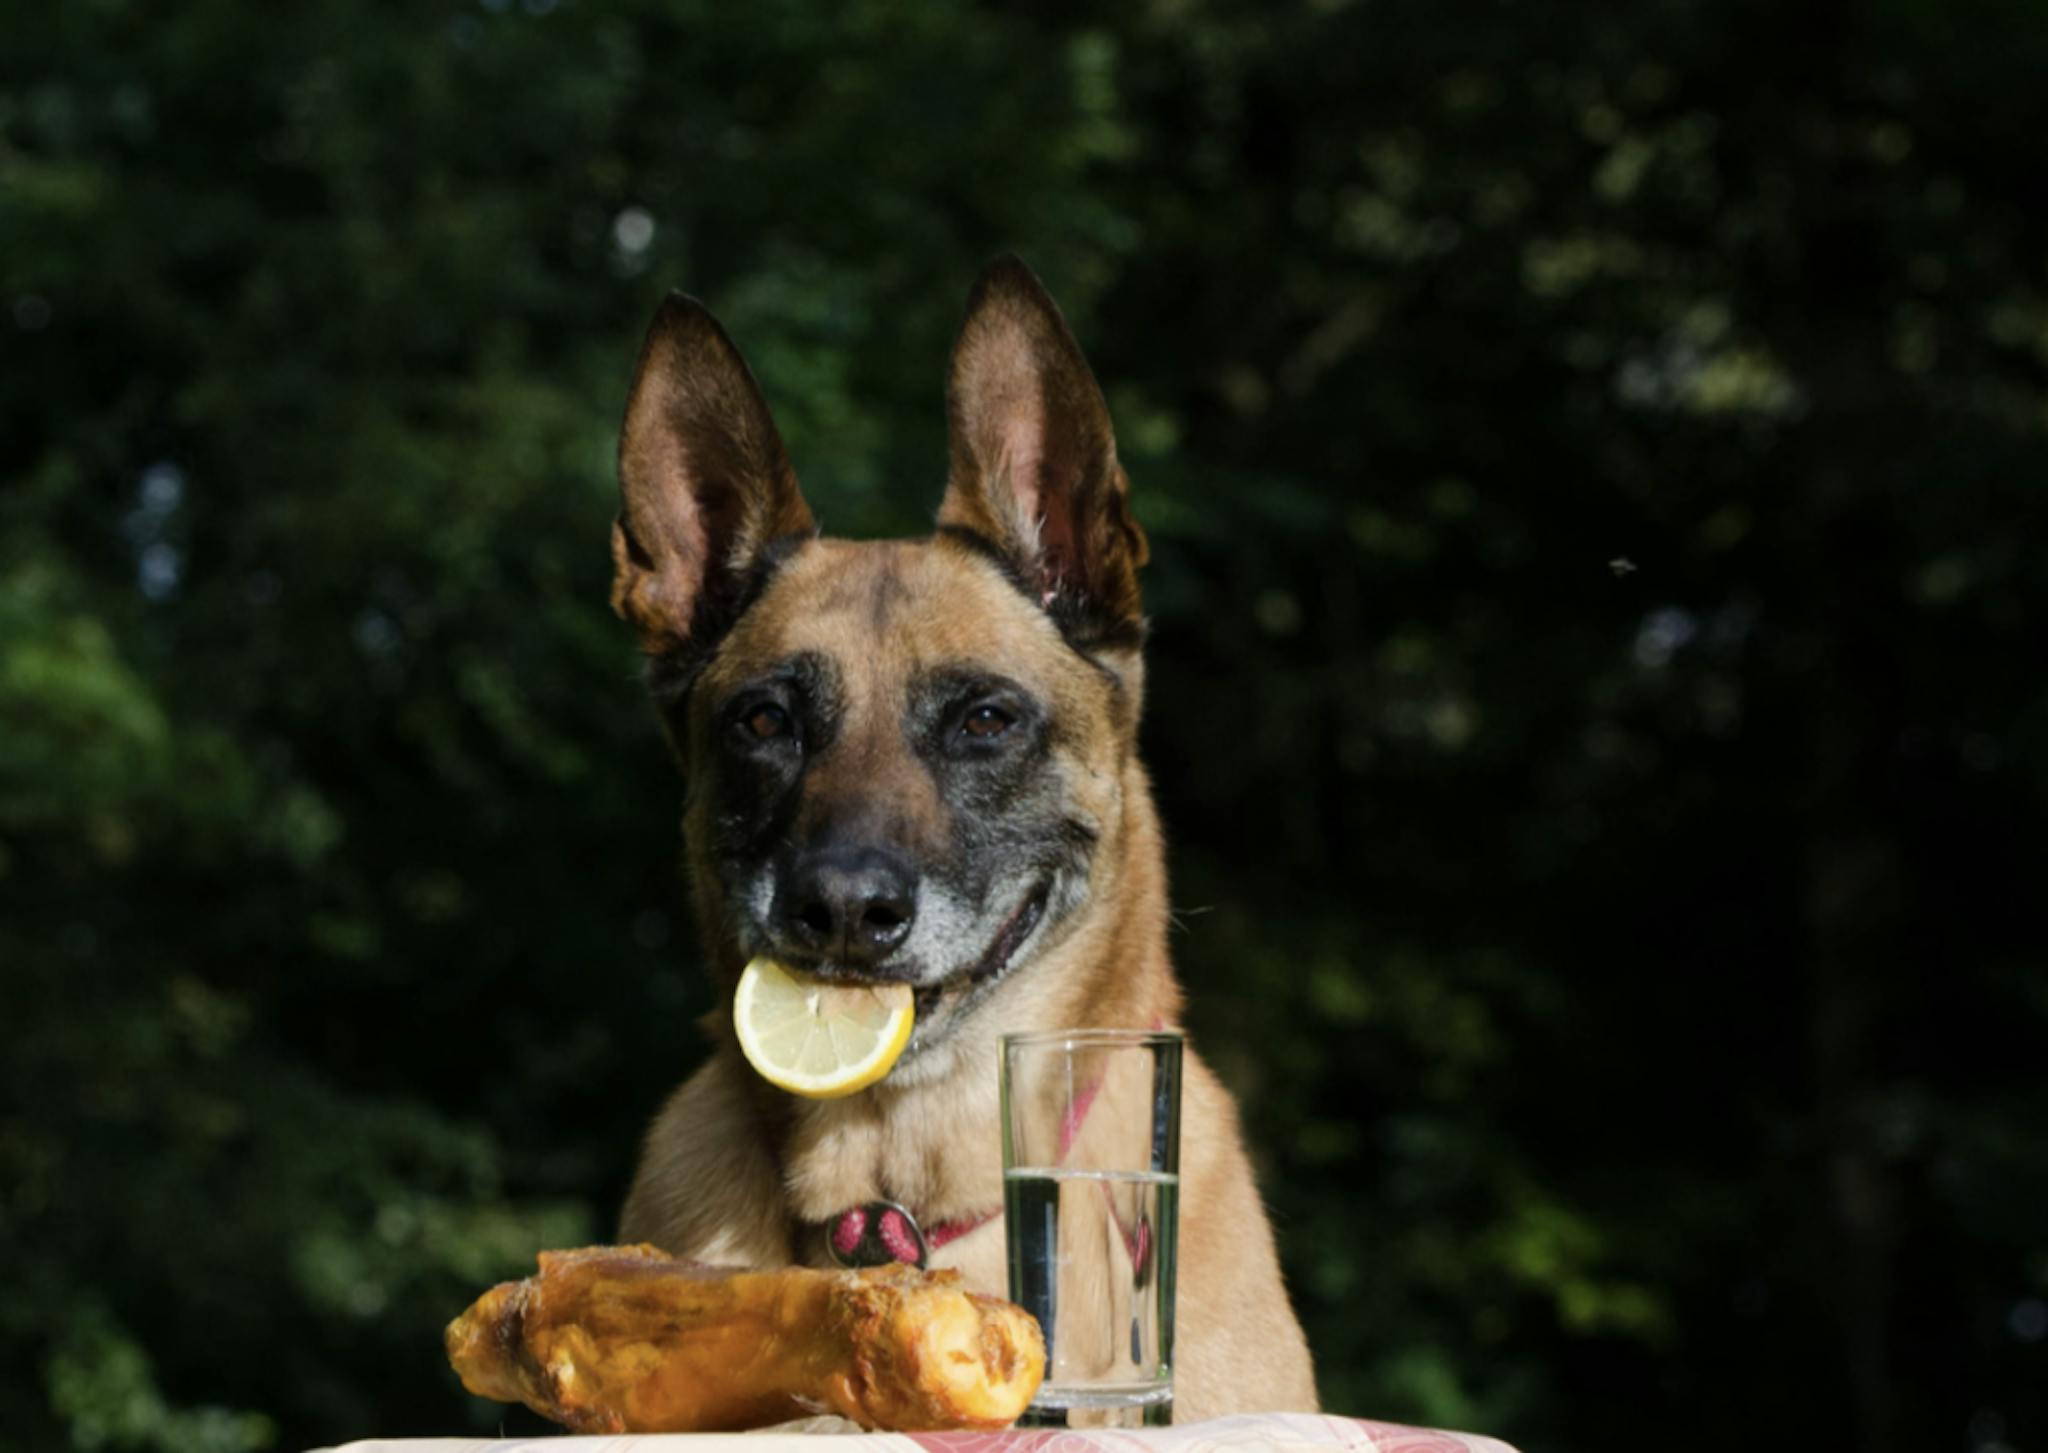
(817, 1039)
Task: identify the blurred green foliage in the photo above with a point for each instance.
(1595, 462)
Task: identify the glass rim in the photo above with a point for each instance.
(1091, 1038)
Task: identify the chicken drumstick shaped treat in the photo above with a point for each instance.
(624, 1339)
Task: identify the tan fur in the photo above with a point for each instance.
(734, 1171)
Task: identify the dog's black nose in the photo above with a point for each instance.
(851, 906)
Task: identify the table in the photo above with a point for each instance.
(1264, 1432)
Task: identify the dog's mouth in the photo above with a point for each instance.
(995, 959)
(944, 1002)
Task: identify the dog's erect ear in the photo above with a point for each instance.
(1034, 468)
(707, 486)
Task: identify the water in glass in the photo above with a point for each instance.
(1092, 1257)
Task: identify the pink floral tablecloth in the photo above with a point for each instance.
(1278, 1432)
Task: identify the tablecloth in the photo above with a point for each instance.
(1265, 1432)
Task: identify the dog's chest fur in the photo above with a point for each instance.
(902, 1146)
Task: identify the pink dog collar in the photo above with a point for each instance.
(882, 1231)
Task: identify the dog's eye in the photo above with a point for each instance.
(767, 722)
(986, 722)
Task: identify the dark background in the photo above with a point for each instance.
(1595, 458)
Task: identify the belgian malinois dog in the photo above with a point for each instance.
(917, 760)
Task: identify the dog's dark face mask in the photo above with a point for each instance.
(903, 757)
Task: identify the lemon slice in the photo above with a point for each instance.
(815, 1039)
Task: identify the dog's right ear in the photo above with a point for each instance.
(707, 486)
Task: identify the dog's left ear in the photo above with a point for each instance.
(1034, 467)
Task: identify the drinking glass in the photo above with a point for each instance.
(1091, 1183)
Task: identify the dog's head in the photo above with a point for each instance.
(905, 759)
